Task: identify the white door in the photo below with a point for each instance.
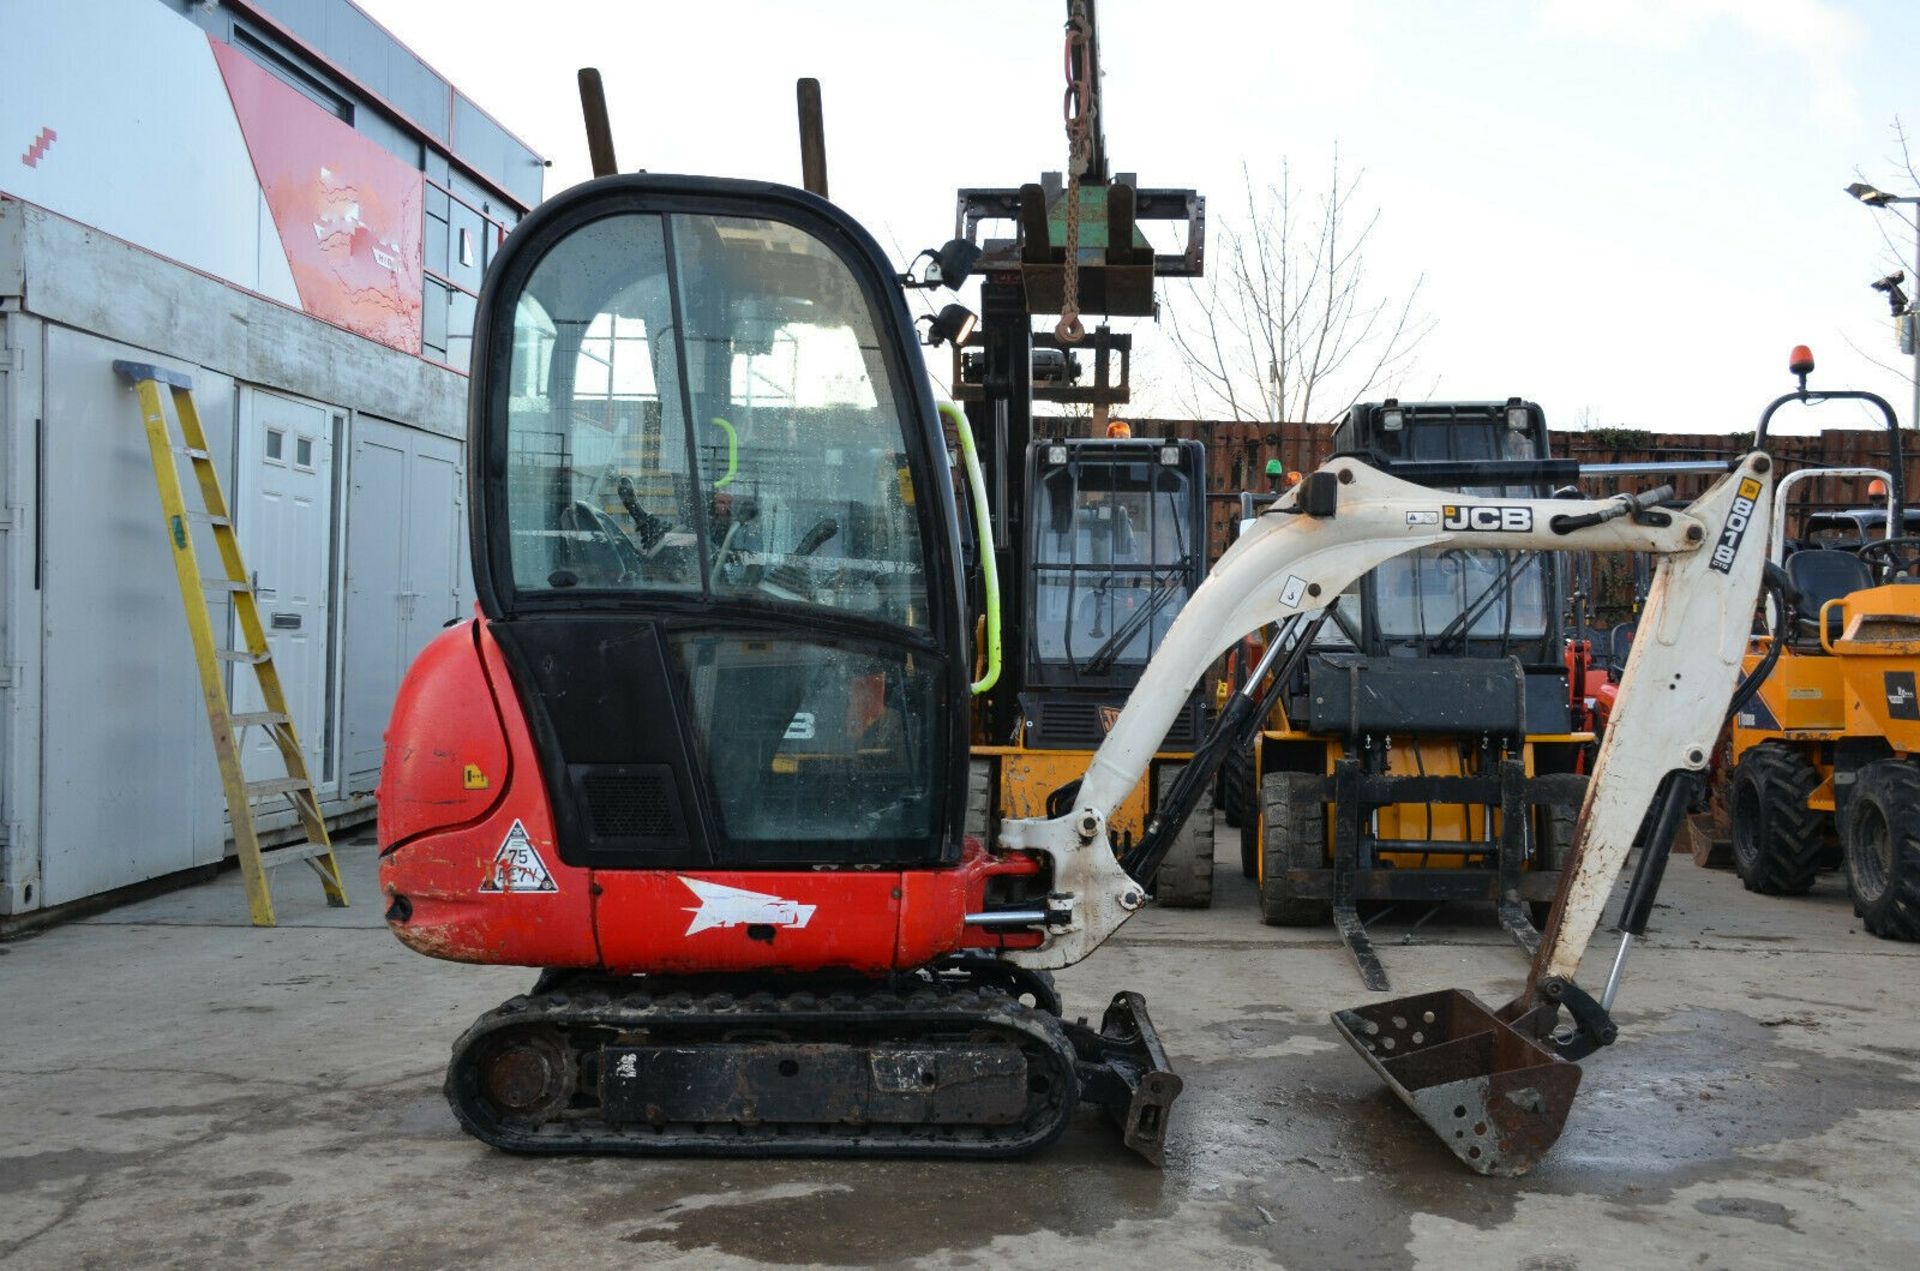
(406, 543)
(283, 511)
(375, 618)
(436, 538)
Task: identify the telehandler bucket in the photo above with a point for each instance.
(1494, 1094)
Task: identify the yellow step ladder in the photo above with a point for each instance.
(227, 724)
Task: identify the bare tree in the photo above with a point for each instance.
(1286, 326)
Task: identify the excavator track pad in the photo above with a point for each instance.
(629, 1066)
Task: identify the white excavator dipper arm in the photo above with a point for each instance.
(1679, 679)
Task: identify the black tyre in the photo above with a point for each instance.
(1296, 838)
(1778, 841)
(1252, 831)
(1557, 824)
(1880, 834)
(1185, 880)
(1243, 807)
(1236, 788)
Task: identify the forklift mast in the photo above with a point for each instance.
(1005, 366)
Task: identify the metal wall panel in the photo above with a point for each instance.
(129, 789)
(354, 42)
(488, 148)
(22, 341)
(174, 140)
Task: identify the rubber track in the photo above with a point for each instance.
(1787, 859)
(1897, 916)
(592, 1015)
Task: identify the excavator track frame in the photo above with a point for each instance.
(628, 1066)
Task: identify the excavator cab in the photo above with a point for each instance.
(716, 558)
(701, 755)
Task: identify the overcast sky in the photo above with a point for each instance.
(1628, 211)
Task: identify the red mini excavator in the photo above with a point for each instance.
(702, 754)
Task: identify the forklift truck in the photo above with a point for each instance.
(1098, 540)
(1116, 543)
(1425, 750)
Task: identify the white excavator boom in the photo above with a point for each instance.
(1679, 678)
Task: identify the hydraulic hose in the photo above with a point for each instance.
(983, 530)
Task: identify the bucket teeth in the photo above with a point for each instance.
(1494, 1095)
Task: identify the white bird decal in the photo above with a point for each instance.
(724, 906)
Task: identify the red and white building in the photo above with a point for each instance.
(279, 199)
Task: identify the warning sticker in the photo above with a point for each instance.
(1296, 587)
(1429, 517)
(517, 865)
(1903, 700)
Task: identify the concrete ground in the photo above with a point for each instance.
(179, 1089)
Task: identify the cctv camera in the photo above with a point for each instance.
(1896, 298)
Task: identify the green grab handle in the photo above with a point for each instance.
(983, 527)
(733, 451)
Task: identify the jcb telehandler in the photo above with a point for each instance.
(1827, 754)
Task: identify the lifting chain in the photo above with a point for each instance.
(1078, 111)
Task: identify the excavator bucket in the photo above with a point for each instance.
(1495, 1095)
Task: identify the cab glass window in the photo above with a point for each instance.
(700, 404)
(1112, 559)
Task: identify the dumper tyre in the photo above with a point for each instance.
(1880, 833)
(1778, 841)
(1295, 818)
(1185, 880)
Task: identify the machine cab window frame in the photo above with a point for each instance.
(544, 631)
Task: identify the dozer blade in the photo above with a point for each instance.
(1496, 1096)
(1124, 1069)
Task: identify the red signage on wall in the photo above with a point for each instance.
(347, 211)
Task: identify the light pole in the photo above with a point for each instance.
(1878, 198)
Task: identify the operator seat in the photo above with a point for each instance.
(1823, 574)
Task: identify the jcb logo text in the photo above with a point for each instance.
(1489, 518)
